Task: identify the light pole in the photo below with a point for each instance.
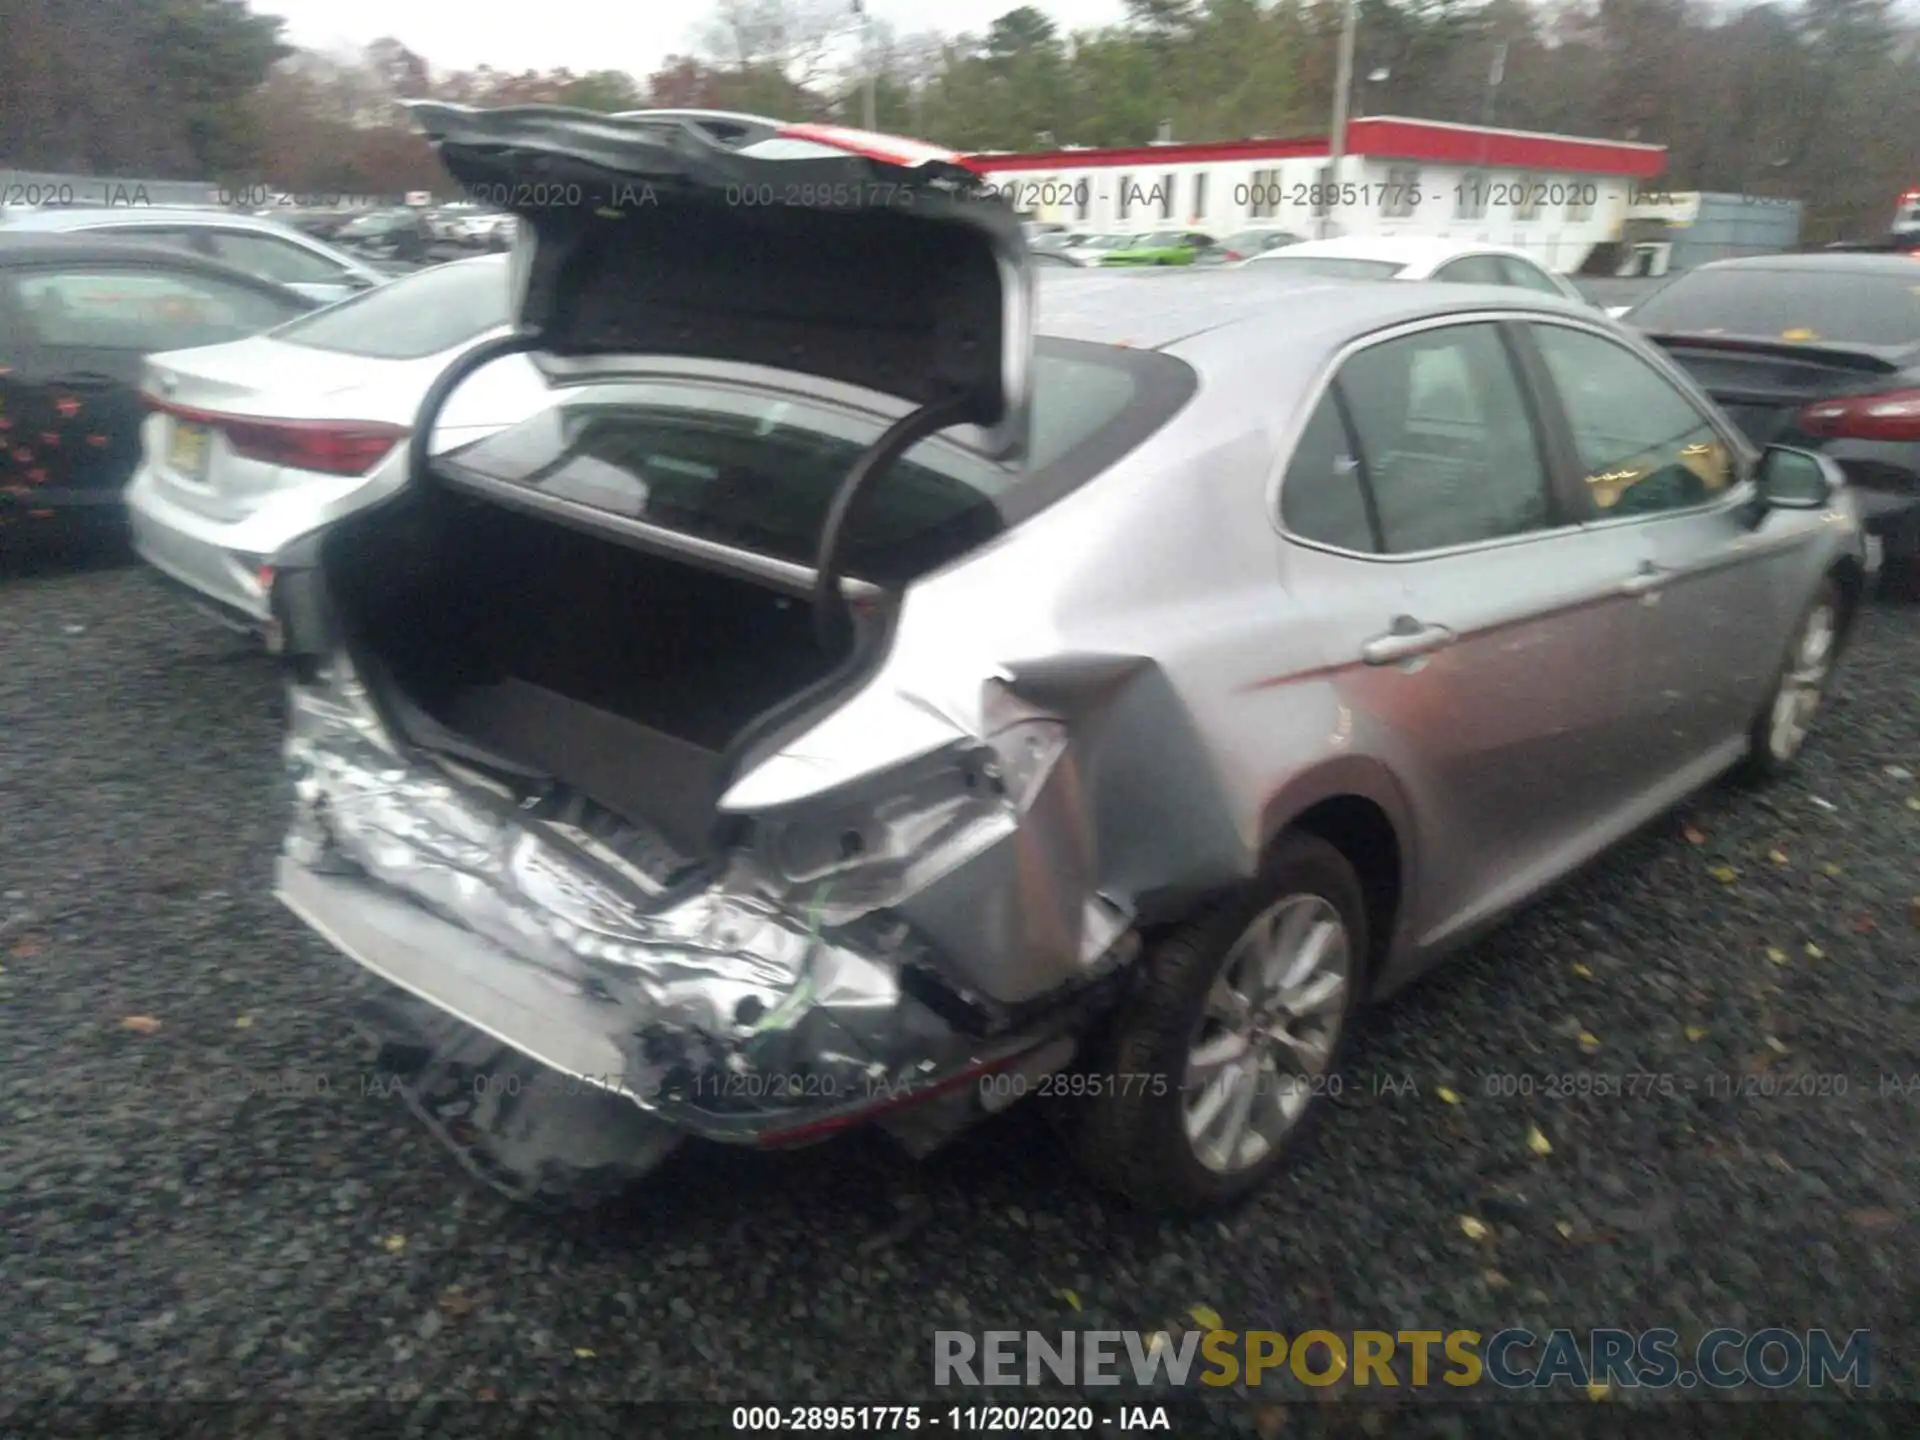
(1342, 88)
(866, 64)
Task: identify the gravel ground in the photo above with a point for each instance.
(168, 1234)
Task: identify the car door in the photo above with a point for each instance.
(286, 262)
(1477, 626)
(77, 332)
(1668, 477)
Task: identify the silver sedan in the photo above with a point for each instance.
(877, 690)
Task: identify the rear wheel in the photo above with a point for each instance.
(1224, 1058)
(1781, 729)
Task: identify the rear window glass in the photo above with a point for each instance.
(756, 471)
(1804, 305)
(407, 319)
(1329, 267)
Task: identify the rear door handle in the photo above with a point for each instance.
(1408, 639)
(84, 380)
(1646, 580)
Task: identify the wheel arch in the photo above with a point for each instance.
(1357, 806)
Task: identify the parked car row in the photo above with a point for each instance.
(673, 729)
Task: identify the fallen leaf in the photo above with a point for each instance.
(455, 1303)
(1589, 1040)
(1874, 1219)
(1565, 1227)
(1472, 1228)
(1913, 802)
(1865, 925)
(1582, 971)
(243, 1022)
(1829, 869)
(1447, 1097)
(27, 945)
(1538, 1143)
(1776, 954)
(1779, 1162)
(1206, 1318)
(1693, 836)
(139, 1024)
(1696, 1034)
(1776, 1044)
(1779, 857)
(1269, 1421)
(1068, 1296)
(395, 1244)
(1598, 1389)
(583, 1352)
(1725, 874)
(1814, 952)
(1495, 1279)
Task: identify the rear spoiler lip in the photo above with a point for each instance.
(1865, 359)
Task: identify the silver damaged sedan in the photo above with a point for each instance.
(883, 685)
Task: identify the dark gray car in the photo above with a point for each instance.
(1818, 351)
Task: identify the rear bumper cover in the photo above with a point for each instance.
(716, 1010)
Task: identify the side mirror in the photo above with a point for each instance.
(1790, 479)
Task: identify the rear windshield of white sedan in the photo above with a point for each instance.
(758, 471)
(1806, 305)
(413, 317)
(1329, 267)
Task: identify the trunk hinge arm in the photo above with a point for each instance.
(831, 616)
(419, 444)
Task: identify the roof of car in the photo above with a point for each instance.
(1398, 249)
(36, 247)
(88, 217)
(1842, 261)
(1160, 309)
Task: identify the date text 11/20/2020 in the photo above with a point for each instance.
(1527, 198)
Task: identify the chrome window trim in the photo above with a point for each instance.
(1297, 424)
(1738, 494)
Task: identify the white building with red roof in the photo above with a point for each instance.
(1553, 196)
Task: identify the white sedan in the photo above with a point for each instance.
(1419, 257)
(255, 443)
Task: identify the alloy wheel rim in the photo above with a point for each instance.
(1803, 686)
(1272, 1019)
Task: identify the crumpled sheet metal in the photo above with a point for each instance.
(730, 1010)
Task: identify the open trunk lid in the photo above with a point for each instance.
(840, 254)
(1764, 383)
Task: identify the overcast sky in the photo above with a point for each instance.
(631, 35)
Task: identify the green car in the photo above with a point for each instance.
(1167, 247)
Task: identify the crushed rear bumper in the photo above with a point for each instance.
(713, 1009)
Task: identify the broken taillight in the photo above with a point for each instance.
(325, 447)
(1888, 415)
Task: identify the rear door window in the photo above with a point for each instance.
(1525, 275)
(272, 258)
(1472, 270)
(1323, 496)
(1446, 440)
(412, 317)
(112, 307)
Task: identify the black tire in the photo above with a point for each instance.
(1133, 1139)
(1766, 758)
(1900, 577)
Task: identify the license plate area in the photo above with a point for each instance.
(188, 449)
